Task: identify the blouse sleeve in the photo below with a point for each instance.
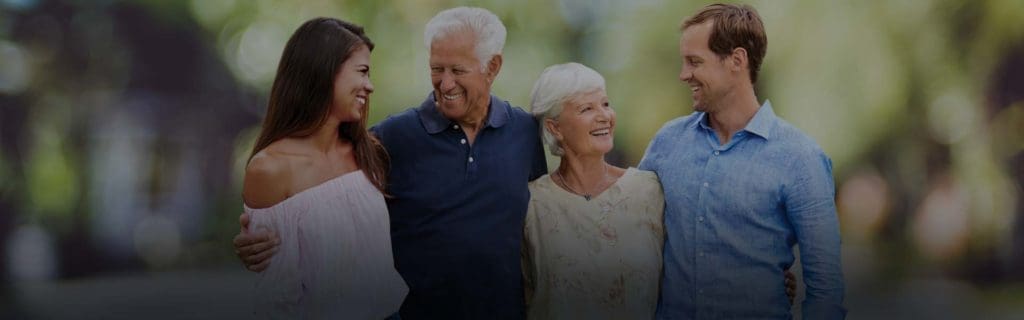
(651, 189)
(526, 253)
(279, 288)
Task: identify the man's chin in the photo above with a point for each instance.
(699, 107)
(451, 111)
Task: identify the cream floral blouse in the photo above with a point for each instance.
(597, 259)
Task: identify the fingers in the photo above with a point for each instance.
(246, 239)
(240, 240)
(790, 281)
(243, 220)
(255, 249)
(259, 267)
(259, 258)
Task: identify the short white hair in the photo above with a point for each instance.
(558, 84)
(489, 31)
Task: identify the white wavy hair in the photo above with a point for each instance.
(557, 84)
(489, 31)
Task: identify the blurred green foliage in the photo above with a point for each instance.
(912, 98)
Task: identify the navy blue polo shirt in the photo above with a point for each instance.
(457, 209)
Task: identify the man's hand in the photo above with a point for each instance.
(790, 286)
(255, 248)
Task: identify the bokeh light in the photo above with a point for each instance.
(109, 165)
(15, 72)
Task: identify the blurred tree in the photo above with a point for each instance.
(128, 115)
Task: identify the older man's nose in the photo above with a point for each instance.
(447, 82)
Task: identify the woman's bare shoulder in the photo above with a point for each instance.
(269, 175)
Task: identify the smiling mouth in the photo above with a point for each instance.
(601, 132)
(451, 97)
(361, 99)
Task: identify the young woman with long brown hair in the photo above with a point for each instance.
(316, 178)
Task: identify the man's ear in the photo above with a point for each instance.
(738, 59)
(493, 67)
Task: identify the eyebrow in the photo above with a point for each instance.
(600, 102)
(454, 66)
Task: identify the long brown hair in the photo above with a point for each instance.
(303, 89)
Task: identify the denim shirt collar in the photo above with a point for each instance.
(435, 122)
(760, 124)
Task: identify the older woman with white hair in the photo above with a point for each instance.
(593, 233)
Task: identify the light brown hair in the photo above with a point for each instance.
(733, 26)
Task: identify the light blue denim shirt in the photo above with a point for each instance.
(734, 212)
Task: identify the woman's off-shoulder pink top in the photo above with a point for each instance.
(334, 259)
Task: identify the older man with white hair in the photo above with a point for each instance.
(460, 164)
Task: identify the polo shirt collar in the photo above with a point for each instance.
(435, 122)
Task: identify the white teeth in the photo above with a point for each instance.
(600, 132)
(361, 100)
(452, 96)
